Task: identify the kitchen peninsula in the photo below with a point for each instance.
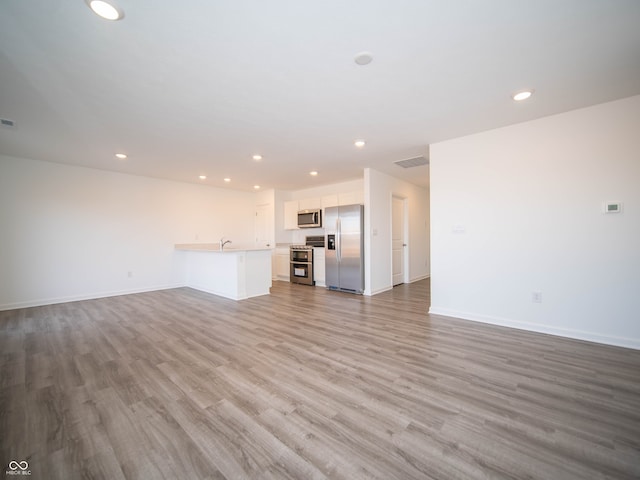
(233, 273)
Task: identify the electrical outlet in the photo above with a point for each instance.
(536, 297)
(612, 207)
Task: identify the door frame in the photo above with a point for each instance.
(266, 208)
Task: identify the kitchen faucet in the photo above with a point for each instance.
(223, 242)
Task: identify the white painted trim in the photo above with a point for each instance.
(421, 277)
(534, 327)
(390, 287)
(381, 290)
(241, 296)
(92, 296)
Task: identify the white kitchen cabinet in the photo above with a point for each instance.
(309, 203)
(319, 275)
(231, 273)
(291, 215)
(329, 201)
(351, 198)
(282, 263)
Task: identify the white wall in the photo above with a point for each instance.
(71, 233)
(526, 202)
(379, 190)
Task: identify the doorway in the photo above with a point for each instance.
(399, 249)
(261, 226)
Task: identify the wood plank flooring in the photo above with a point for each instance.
(307, 384)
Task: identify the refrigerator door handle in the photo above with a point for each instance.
(338, 240)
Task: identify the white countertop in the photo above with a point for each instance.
(215, 247)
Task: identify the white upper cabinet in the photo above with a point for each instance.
(351, 198)
(329, 201)
(309, 203)
(292, 207)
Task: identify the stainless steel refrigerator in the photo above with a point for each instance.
(344, 245)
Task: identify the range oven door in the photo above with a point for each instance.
(301, 273)
(301, 267)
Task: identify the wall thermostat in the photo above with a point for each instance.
(612, 207)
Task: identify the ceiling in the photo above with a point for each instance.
(200, 86)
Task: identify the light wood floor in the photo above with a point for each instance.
(306, 384)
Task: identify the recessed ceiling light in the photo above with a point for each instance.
(313, 173)
(227, 180)
(202, 177)
(256, 187)
(106, 10)
(522, 95)
(257, 157)
(359, 143)
(363, 58)
(121, 156)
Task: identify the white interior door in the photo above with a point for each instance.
(398, 243)
(262, 230)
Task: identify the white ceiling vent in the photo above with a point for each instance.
(412, 162)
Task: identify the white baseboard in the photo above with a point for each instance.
(421, 277)
(89, 296)
(379, 290)
(390, 287)
(534, 327)
(241, 296)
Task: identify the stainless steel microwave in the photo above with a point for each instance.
(310, 218)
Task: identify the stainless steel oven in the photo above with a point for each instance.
(301, 264)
